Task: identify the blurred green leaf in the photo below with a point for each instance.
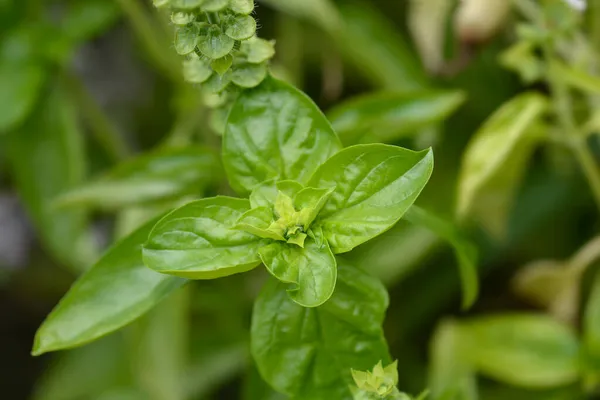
(118, 289)
(388, 116)
(159, 343)
(21, 86)
(465, 251)
(591, 334)
(307, 353)
(164, 174)
(46, 156)
(85, 19)
(495, 160)
(528, 350)
(87, 372)
(575, 77)
(275, 131)
(320, 12)
(451, 375)
(372, 43)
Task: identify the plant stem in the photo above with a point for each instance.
(564, 111)
(101, 127)
(157, 46)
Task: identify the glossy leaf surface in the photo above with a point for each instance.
(311, 270)
(307, 353)
(275, 131)
(388, 116)
(118, 289)
(199, 241)
(161, 175)
(374, 186)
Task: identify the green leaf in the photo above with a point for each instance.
(196, 70)
(451, 375)
(591, 332)
(257, 222)
(240, 27)
(241, 6)
(182, 18)
(186, 38)
(161, 175)
(275, 131)
(307, 353)
(311, 201)
(257, 50)
(46, 156)
(213, 43)
(21, 86)
(185, 4)
(85, 19)
(526, 350)
(214, 5)
(323, 13)
(199, 241)
(374, 186)
(465, 251)
(312, 270)
(249, 75)
(575, 77)
(496, 158)
(222, 65)
(386, 117)
(115, 291)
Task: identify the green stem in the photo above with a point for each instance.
(562, 104)
(158, 47)
(101, 127)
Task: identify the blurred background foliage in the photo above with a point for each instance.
(87, 85)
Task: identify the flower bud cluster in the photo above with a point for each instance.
(218, 39)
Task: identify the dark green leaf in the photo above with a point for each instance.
(312, 270)
(198, 241)
(307, 353)
(161, 175)
(47, 157)
(115, 291)
(465, 251)
(374, 186)
(275, 131)
(21, 86)
(386, 117)
(526, 350)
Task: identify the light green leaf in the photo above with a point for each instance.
(257, 222)
(495, 160)
(21, 86)
(310, 201)
(186, 38)
(387, 116)
(213, 43)
(240, 27)
(465, 251)
(307, 353)
(575, 77)
(222, 65)
(46, 156)
(115, 291)
(374, 186)
(257, 50)
(182, 18)
(451, 375)
(198, 241)
(312, 270)
(214, 5)
(196, 70)
(241, 6)
(186, 4)
(249, 75)
(275, 131)
(526, 350)
(217, 83)
(161, 175)
(591, 333)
